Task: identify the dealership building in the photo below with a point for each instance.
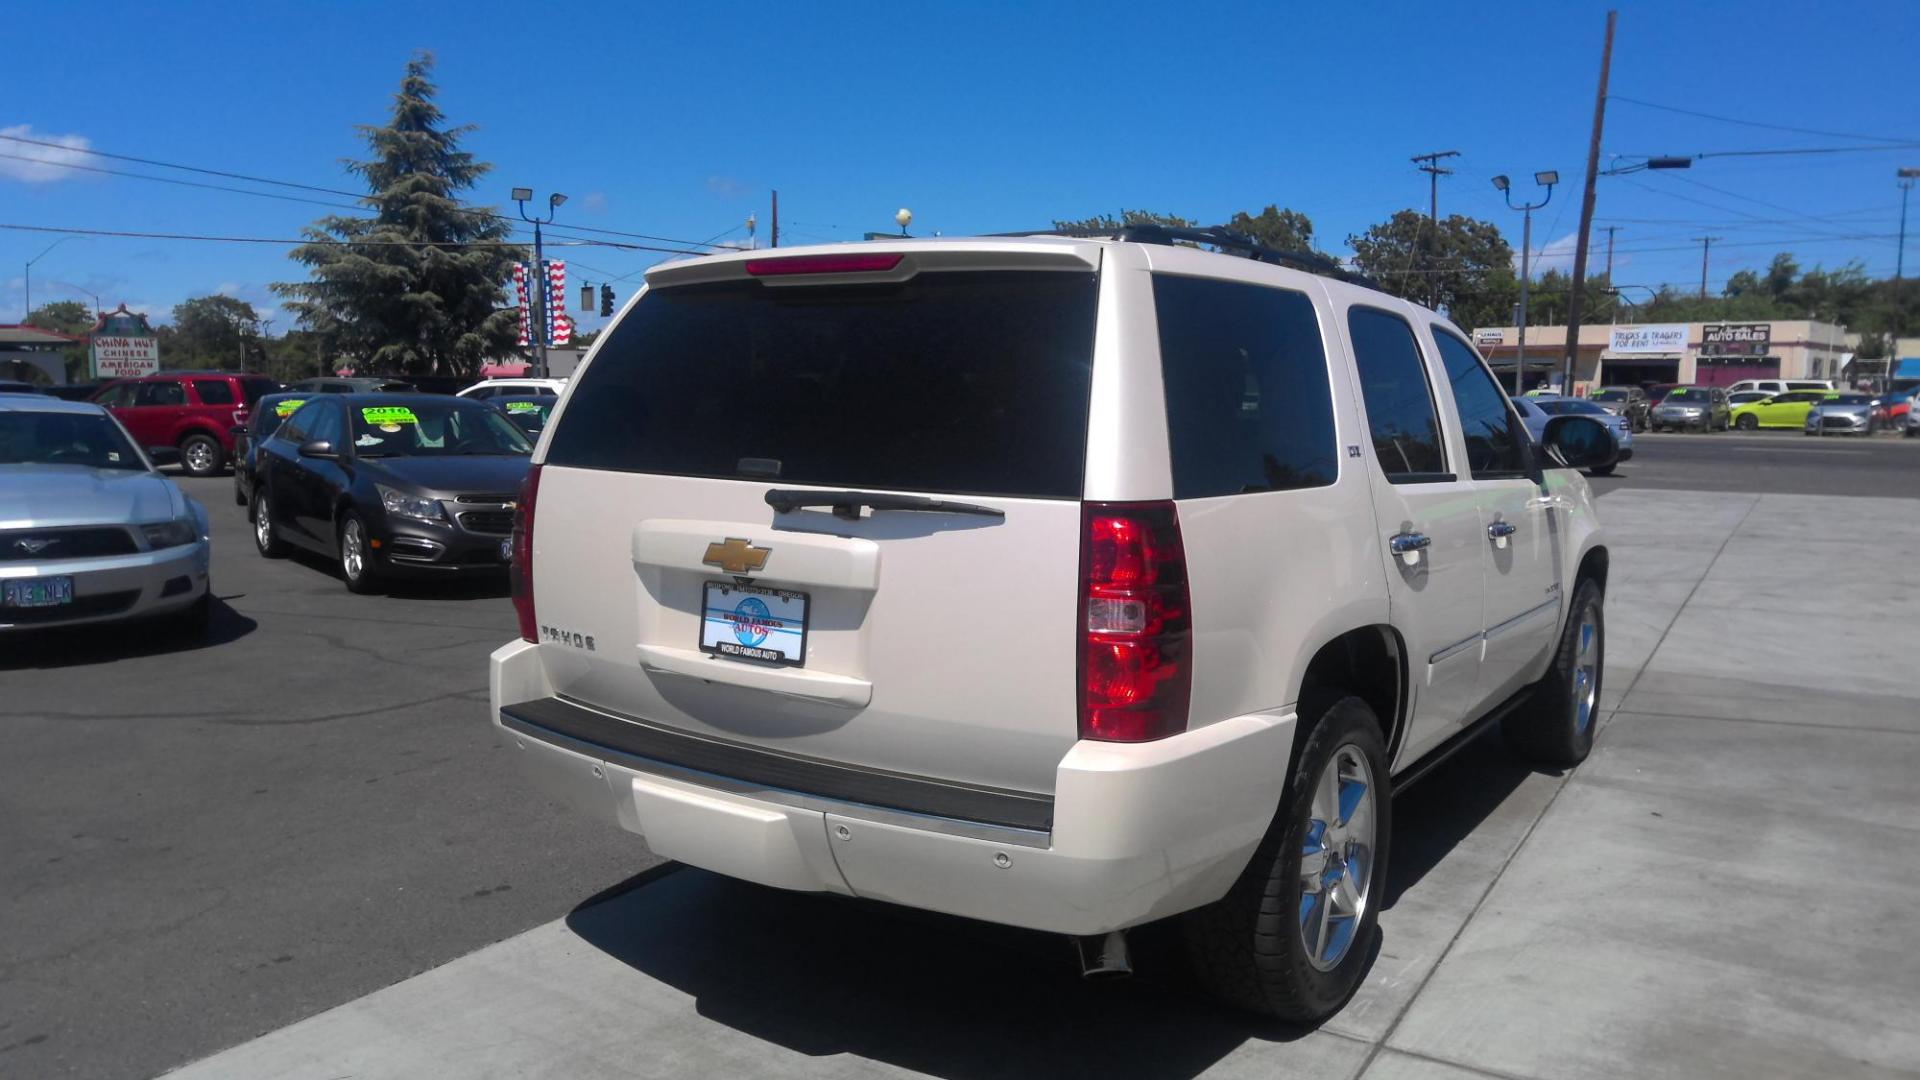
(1705, 354)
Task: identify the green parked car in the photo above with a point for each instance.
(1787, 410)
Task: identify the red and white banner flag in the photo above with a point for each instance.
(559, 327)
(520, 298)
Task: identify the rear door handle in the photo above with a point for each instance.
(1408, 543)
(1500, 530)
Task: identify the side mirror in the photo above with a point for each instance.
(317, 448)
(1580, 442)
(1764, 401)
(164, 455)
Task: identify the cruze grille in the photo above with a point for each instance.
(498, 522)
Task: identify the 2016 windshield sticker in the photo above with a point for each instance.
(285, 409)
(383, 415)
(523, 406)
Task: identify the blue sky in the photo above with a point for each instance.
(677, 120)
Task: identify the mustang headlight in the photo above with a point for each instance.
(403, 504)
(166, 534)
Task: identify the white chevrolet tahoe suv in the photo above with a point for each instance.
(1064, 582)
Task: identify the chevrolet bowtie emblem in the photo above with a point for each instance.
(737, 556)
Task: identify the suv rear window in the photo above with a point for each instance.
(213, 391)
(965, 382)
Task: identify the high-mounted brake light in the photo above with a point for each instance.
(1136, 663)
(861, 263)
(521, 549)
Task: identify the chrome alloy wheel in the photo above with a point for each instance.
(263, 526)
(201, 456)
(353, 550)
(1586, 670)
(1336, 858)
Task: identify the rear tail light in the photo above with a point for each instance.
(521, 546)
(862, 263)
(1136, 662)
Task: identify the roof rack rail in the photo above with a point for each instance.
(1219, 236)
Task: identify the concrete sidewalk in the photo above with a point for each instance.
(1724, 889)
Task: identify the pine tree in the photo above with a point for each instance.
(420, 287)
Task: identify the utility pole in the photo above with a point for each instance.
(1546, 179)
(1434, 171)
(1586, 212)
(1610, 230)
(1706, 245)
(776, 218)
(1906, 179)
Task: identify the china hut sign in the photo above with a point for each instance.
(123, 345)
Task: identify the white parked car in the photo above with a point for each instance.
(1066, 583)
(89, 531)
(1779, 386)
(492, 388)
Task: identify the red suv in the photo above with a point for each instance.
(194, 411)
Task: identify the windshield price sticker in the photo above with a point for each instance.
(523, 406)
(285, 409)
(384, 415)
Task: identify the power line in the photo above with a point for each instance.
(1753, 123)
(361, 197)
(313, 241)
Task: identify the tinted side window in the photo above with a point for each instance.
(213, 391)
(119, 395)
(160, 393)
(1393, 383)
(1248, 407)
(1485, 416)
(327, 424)
(295, 428)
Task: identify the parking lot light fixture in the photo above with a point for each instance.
(1546, 179)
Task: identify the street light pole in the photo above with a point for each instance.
(27, 278)
(1546, 179)
(537, 289)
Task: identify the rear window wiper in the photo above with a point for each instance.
(847, 504)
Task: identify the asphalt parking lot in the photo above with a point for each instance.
(294, 847)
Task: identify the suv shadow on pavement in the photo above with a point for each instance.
(60, 647)
(821, 975)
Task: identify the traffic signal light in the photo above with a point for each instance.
(586, 298)
(606, 299)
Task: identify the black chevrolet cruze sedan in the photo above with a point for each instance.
(391, 485)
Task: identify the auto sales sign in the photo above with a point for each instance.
(123, 345)
(1649, 339)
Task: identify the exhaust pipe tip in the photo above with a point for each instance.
(1104, 956)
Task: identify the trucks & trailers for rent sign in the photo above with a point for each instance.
(1648, 339)
(120, 357)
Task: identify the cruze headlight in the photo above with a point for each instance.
(404, 504)
(166, 534)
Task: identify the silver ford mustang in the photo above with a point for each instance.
(89, 531)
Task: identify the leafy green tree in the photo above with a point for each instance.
(1127, 217)
(211, 331)
(1460, 264)
(66, 317)
(1282, 230)
(62, 317)
(420, 287)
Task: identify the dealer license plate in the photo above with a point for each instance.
(38, 592)
(769, 625)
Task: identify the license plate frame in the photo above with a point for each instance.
(726, 629)
(37, 592)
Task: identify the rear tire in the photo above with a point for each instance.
(356, 556)
(1294, 935)
(200, 455)
(1555, 725)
